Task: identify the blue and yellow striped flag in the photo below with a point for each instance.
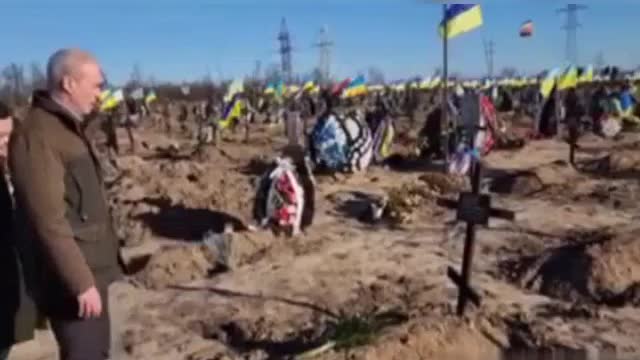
(460, 18)
(586, 76)
(232, 111)
(357, 87)
(112, 100)
(569, 79)
(547, 84)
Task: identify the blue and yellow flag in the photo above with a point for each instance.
(586, 76)
(151, 97)
(357, 87)
(277, 88)
(460, 18)
(270, 89)
(281, 89)
(310, 86)
(546, 86)
(232, 111)
(569, 79)
(112, 100)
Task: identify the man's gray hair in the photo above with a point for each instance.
(57, 69)
(62, 63)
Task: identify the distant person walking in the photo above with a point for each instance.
(17, 310)
(61, 206)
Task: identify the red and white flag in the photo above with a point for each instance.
(526, 30)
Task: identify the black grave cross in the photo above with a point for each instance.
(472, 208)
(572, 148)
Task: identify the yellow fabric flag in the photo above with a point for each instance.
(233, 113)
(459, 19)
(587, 76)
(569, 79)
(548, 83)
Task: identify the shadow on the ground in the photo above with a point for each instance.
(340, 331)
(600, 168)
(521, 182)
(241, 342)
(402, 163)
(357, 205)
(180, 223)
(257, 166)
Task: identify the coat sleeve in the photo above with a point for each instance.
(38, 178)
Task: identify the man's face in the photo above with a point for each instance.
(6, 126)
(84, 87)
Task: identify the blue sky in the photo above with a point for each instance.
(186, 39)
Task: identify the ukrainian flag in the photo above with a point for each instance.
(546, 86)
(586, 76)
(270, 89)
(233, 111)
(569, 79)
(309, 86)
(460, 18)
(280, 88)
(277, 88)
(356, 87)
(112, 100)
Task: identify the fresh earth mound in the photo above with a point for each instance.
(598, 267)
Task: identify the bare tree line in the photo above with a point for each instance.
(17, 83)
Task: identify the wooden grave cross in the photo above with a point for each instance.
(473, 208)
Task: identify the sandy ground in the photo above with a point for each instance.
(559, 280)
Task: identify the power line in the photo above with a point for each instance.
(489, 52)
(285, 51)
(324, 45)
(571, 27)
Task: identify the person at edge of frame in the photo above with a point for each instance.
(61, 207)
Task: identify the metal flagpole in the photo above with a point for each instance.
(445, 70)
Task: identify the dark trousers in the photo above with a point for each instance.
(80, 339)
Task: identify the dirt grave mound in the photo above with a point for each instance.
(398, 205)
(623, 162)
(620, 164)
(176, 265)
(523, 183)
(173, 265)
(597, 267)
(616, 196)
(550, 181)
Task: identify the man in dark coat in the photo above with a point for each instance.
(61, 207)
(17, 311)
